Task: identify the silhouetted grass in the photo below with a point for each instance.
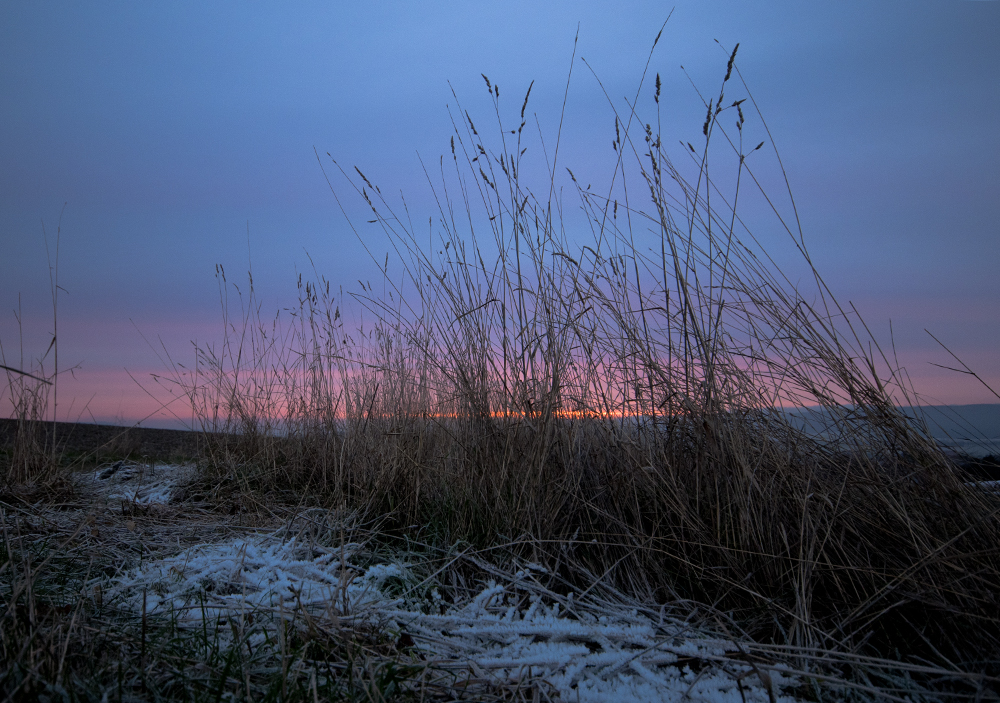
(608, 401)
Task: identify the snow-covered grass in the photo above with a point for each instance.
(141, 483)
(503, 635)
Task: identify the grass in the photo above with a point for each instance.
(608, 407)
(63, 641)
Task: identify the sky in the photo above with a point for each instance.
(161, 139)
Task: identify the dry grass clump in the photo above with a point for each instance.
(29, 457)
(31, 460)
(612, 406)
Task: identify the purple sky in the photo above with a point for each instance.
(171, 128)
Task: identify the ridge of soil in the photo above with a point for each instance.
(112, 440)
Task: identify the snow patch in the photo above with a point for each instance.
(580, 652)
(145, 484)
(212, 581)
(617, 658)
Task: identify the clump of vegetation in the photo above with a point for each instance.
(614, 406)
(28, 458)
(601, 396)
(32, 457)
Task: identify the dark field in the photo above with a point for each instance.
(101, 441)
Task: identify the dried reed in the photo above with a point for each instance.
(614, 407)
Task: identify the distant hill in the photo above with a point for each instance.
(973, 429)
(967, 429)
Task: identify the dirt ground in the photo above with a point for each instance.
(110, 440)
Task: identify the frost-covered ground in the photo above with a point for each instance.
(509, 629)
(502, 633)
(140, 483)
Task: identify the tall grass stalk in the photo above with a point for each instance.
(30, 459)
(34, 457)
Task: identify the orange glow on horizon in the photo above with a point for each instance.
(117, 396)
